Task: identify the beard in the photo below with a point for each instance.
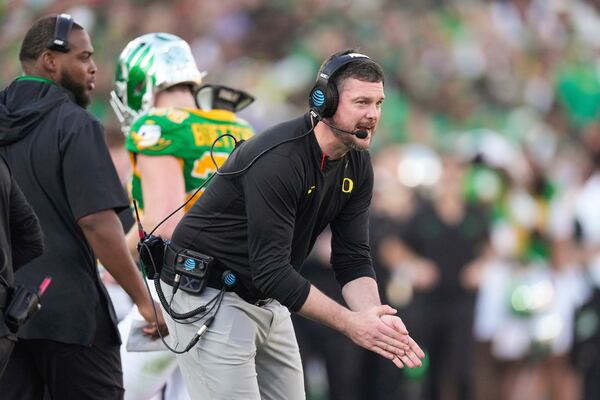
(82, 97)
(348, 139)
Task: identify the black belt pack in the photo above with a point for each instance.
(18, 305)
(189, 264)
(204, 272)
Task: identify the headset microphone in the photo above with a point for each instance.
(361, 134)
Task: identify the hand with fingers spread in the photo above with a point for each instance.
(413, 355)
(367, 329)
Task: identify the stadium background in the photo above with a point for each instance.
(524, 74)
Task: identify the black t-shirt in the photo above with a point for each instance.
(62, 164)
(381, 227)
(450, 247)
(263, 223)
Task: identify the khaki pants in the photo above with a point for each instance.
(249, 352)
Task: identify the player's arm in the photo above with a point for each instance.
(95, 195)
(163, 189)
(104, 233)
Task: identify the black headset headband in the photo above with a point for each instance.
(335, 64)
(323, 98)
(64, 23)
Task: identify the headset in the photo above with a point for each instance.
(324, 96)
(60, 42)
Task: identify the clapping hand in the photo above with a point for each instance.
(379, 330)
(413, 355)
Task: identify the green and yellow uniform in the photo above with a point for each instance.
(186, 134)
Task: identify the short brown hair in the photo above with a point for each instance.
(363, 69)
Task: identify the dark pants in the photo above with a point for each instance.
(6, 347)
(444, 333)
(69, 371)
(343, 359)
(591, 381)
(65, 371)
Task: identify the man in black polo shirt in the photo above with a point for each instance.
(59, 158)
(283, 188)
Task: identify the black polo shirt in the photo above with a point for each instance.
(262, 223)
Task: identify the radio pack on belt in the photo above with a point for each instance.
(193, 267)
(152, 252)
(161, 262)
(22, 303)
(192, 264)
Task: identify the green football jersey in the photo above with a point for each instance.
(188, 135)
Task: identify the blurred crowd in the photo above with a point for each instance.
(486, 228)
(450, 65)
(494, 267)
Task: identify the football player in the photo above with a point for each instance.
(157, 98)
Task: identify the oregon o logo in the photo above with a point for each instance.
(347, 185)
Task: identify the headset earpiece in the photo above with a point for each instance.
(316, 100)
(60, 42)
(323, 99)
(324, 96)
(332, 103)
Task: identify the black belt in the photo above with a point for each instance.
(214, 280)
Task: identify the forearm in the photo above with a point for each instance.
(104, 233)
(366, 327)
(324, 310)
(361, 294)
(132, 239)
